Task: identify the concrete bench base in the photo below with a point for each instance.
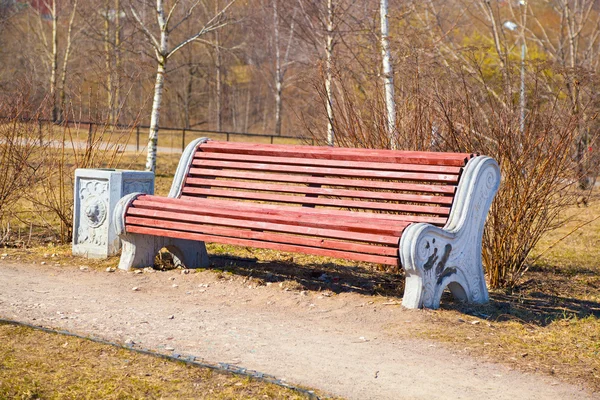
(435, 258)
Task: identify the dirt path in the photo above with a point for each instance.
(348, 345)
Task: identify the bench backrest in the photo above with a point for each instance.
(412, 186)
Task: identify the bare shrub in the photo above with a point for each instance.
(38, 159)
(449, 109)
(19, 151)
(71, 145)
(540, 171)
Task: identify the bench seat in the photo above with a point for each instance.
(353, 204)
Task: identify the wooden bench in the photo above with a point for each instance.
(422, 211)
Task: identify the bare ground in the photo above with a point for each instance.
(348, 344)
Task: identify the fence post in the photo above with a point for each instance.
(40, 132)
(137, 139)
(89, 138)
(227, 137)
(183, 140)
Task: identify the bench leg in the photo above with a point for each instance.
(435, 258)
(442, 259)
(138, 251)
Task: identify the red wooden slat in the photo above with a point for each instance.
(266, 236)
(265, 245)
(374, 226)
(325, 213)
(353, 183)
(337, 153)
(329, 163)
(267, 226)
(351, 173)
(371, 205)
(390, 196)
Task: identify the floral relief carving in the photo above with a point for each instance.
(93, 211)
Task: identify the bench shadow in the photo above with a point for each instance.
(313, 276)
(538, 308)
(548, 295)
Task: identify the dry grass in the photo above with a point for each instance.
(40, 365)
(550, 322)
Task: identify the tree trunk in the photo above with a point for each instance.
(522, 100)
(219, 83)
(388, 77)
(246, 118)
(581, 144)
(189, 90)
(65, 66)
(54, 68)
(108, 62)
(117, 81)
(154, 119)
(278, 73)
(328, 73)
(233, 103)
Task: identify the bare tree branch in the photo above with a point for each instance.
(146, 31)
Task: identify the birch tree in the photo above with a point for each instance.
(218, 59)
(281, 65)
(321, 34)
(388, 76)
(50, 42)
(112, 56)
(329, 73)
(63, 76)
(158, 35)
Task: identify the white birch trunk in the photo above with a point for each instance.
(328, 73)
(162, 53)
(108, 62)
(388, 77)
(117, 81)
(154, 119)
(278, 73)
(219, 83)
(65, 66)
(54, 67)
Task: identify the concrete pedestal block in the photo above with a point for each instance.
(96, 193)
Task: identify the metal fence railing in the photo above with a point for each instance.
(172, 137)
